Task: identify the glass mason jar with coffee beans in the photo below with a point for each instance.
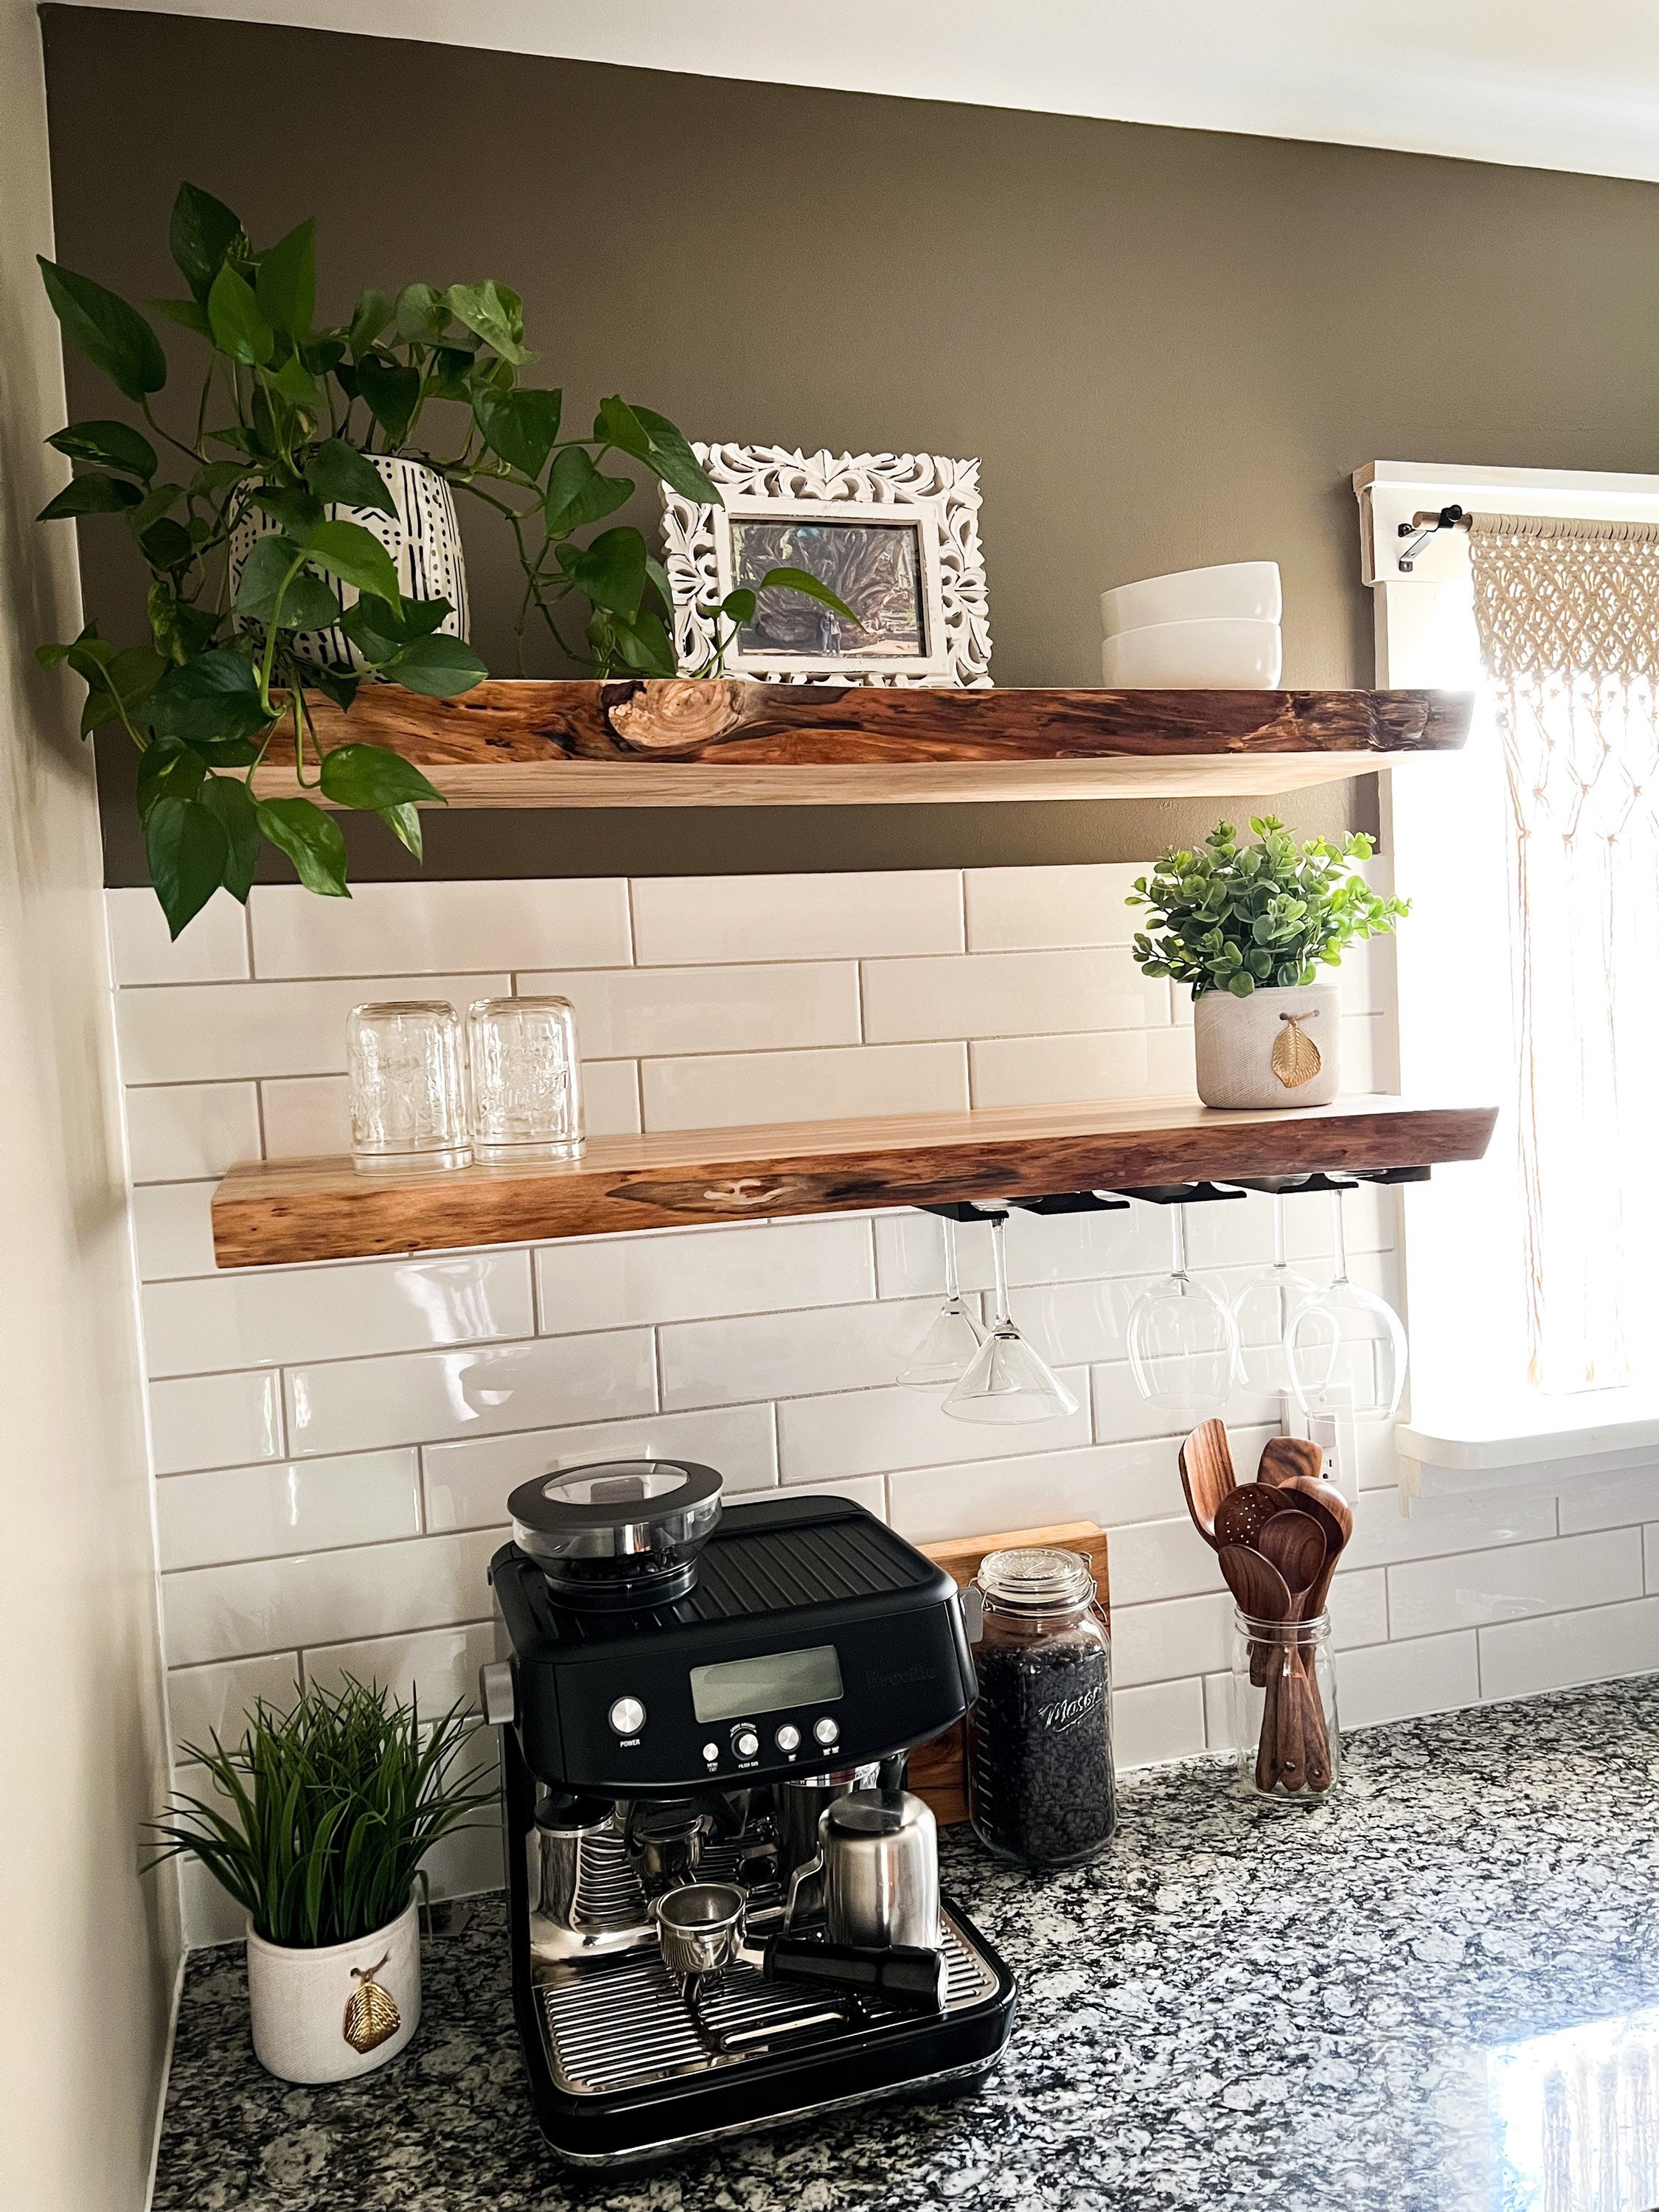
(1041, 1789)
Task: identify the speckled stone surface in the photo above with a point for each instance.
(1233, 2006)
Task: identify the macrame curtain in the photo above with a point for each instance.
(1568, 616)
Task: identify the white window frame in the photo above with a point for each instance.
(1470, 1427)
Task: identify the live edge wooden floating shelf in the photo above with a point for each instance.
(305, 1210)
(725, 742)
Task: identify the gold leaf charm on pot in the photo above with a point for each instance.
(371, 2015)
(1295, 1058)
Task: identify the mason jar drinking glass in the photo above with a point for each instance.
(527, 1079)
(1287, 1738)
(1041, 1787)
(408, 1089)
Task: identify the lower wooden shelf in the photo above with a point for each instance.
(286, 1210)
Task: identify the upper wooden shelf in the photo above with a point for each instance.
(305, 1210)
(724, 743)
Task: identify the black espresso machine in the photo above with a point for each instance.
(681, 1690)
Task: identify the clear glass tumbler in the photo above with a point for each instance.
(527, 1079)
(1287, 1738)
(408, 1089)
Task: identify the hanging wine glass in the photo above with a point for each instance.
(1009, 1380)
(1261, 1315)
(952, 1337)
(1183, 1341)
(1344, 1347)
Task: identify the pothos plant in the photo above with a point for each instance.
(1239, 918)
(279, 430)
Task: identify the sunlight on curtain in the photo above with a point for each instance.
(1568, 616)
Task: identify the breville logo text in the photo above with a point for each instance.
(903, 1679)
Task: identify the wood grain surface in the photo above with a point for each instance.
(937, 1771)
(658, 744)
(288, 1211)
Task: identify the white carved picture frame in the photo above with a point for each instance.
(940, 497)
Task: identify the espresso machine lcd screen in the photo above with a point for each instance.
(736, 1689)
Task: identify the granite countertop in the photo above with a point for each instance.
(1325, 2010)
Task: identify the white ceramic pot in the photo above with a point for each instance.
(1274, 1048)
(423, 539)
(1247, 591)
(329, 2015)
(1228, 653)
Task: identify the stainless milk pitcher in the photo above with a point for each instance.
(878, 1855)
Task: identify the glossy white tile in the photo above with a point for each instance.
(1511, 1582)
(214, 1420)
(213, 950)
(681, 1274)
(206, 1032)
(1161, 1721)
(178, 1130)
(1056, 909)
(1182, 1636)
(216, 1700)
(625, 1013)
(358, 1405)
(1519, 1658)
(1152, 1559)
(727, 1090)
(1392, 1681)
(1608, 1501)
(425, 927)
(437, 1667)
(1437, 1526)
(172, 1230)
(872, 1431)
(1358, 1607)
(788, 1355)
(380, 1589)
(678, 920)
(468, 1485)
(1098, 1067)
(259, 1317)
(1113, 1484)
(1009, 995)
(296, 1505)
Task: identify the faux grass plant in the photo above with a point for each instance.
(325, 1810)
(1242, 918)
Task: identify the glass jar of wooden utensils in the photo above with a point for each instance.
(1287, 1738)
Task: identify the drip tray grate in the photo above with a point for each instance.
(622, 2024)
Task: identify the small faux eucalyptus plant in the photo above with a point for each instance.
(282, 431)
(1242, 918)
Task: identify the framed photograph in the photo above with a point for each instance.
(896, 536)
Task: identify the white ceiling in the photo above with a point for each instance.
(1559, 84)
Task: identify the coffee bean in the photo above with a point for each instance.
(1040, 1786)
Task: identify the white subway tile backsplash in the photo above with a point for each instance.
(1390, 1681)
(1358, 1607)
(1512, 1581)
(380, 1589)
(1100, 1067)
(1050, 908)
(178, 1131)
(416, 929)
(468, 1485)
(790, 1355)
(724, 1090)
(215, 1700)
(355, 1405)
(261, 1317)
(1112, 1484)
(1152, 1559)
(1609, 1501)
(206, 1032)
(1009, 995)
(215, 1421)
(172, 1230)
(627, 1013)
(1162, 1643)
(1437, 1526)
(1163, 1721)
(872, 1431)
(437, 1666)
(679, 920)
(1518, 1658)
(296, 1505)
(213, 950)
(684, 1275)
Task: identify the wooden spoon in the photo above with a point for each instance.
(1294, 1542)
(1284, 1458)
(1206, 1475)
(1331, 1509)
(1263, 1595)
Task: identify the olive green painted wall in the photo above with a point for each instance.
(1168, 348)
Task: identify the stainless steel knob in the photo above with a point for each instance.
(827, 1731)
(745, 1743)
(787, 1737)
(627, 1717)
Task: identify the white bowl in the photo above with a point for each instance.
(1202, 656)
(1246, 591)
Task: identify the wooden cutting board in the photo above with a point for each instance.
(936, 1768)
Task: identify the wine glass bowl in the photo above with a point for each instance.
(1182, 1339)
(1261, 1313)
(951, 1340)
(1344, 1347)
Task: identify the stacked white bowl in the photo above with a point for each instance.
(1211, 629)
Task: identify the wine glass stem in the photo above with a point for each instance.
(1178, 1242)
(1339, 1247)
(952, 1284)
(1000, 1264)
(1279, 1229)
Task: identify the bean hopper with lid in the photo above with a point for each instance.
(705, 1712)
